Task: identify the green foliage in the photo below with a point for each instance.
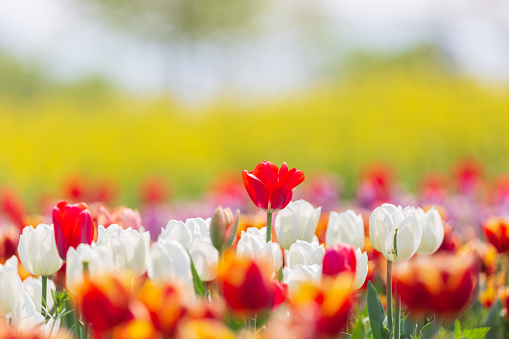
(199, 286)
(376, 314)
(494, 321)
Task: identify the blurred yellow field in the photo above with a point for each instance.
(411, 119)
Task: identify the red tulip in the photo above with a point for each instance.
(443, 284)
(246, 285)
(73, 226)
(271, 188)
(496, 231)
(339, 258)
(104, 302)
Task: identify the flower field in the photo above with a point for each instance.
(383, 214)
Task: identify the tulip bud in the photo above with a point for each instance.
(346, 227)
(223, 227)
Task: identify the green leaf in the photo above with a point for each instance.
(376, 314)
(494, 321)
(431, 329)
(199, 286)
(409, 327)
(458, 334)
(476, 333)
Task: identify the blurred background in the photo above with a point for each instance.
(137, 100)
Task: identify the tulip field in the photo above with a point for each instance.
(285, 267)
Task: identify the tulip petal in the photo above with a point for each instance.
(256, 189)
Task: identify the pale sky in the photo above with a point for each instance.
(65, 39)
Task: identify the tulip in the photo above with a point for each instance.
(245, 284)
(33, 287)
(298, 274)
(9, 238)
(185, 232)
(339, 258)
(73, 226)
(169, 260)
(38, 250)
(395, 232)
(11, 287)
(496, 231)
(126, 218)
(223, 227)
(252, 244)
(271, 188)
(298, 221)
(164, 303)
(442, 284)
(130, 247)
(205, 257)
(361, 271)
(304, 253)
(345, 227)
(98, 260)
(432, 232)
(326, 305)
(104, 302)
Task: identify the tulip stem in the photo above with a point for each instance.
(269, 226)
(389, 295)
(43, 295)
(397, 315)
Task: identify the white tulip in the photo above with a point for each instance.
(304, 253)
(26, 319)
(11, 287)
(99, 260)
(401, 237)
(293, 276)
(185, 232)
(345, 227)
(130, 247)
(37, 250)
(297, 221)
(362, 269)
(169, 260)
(34, 289)
(253, 244)
(432, 232)
(377, 223)
(205, 257)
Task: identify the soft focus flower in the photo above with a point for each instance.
(442, 284)
(168, 260)
(122, 216)
(28, 321)
(253, 244)
(223, 227)
(73, 226)
(362, 269)
(104, 301)
(98, 260)
(432, 232)
(297, 221)
(326, 305)
(395, 232)
(339, 258)
(10, 285)
(38, 251)
(9, 238)
(271, 188)
(205, 257)
(296, 275)
(345, 227)
(496, 231)
(130, 247)
(304, 253)
(245, 284)
(164, 303)
(185, 232)
(204, 329)
(33, 287)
